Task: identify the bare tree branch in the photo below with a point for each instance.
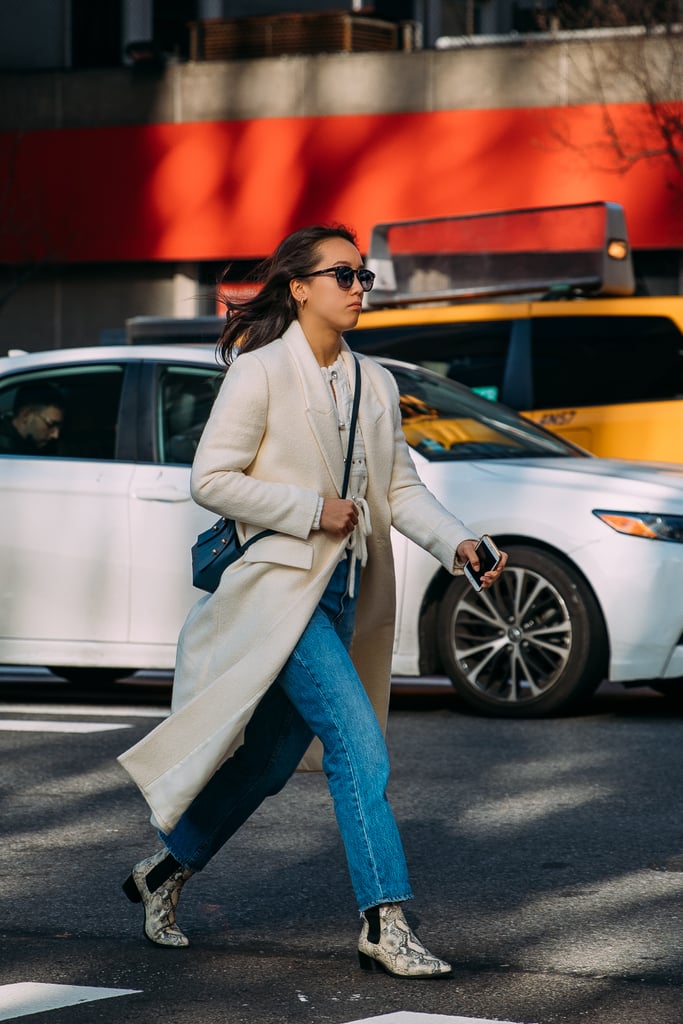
(649, 69)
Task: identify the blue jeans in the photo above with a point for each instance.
(317, 693)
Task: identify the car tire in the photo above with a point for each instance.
(81, 675)
(532, 645)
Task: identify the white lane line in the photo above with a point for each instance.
(407, 1017)
(82, 710)
(34, 997)
(21, 725)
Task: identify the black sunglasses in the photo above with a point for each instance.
(345, 276)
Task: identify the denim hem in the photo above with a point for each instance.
(386, 899)
(183, 863)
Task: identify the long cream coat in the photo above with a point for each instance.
(270, 448)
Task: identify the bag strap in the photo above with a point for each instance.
(352, 430)
(252, 540)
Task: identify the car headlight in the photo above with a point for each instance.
(644, 524)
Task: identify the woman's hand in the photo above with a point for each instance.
(339, 517)
(466, 549)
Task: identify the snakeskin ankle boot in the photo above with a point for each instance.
(159, 896)
(387, 943)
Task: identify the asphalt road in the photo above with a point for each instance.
(547, 860)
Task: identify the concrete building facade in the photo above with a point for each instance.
(127, 189)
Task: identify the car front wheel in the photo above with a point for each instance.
(534, 644)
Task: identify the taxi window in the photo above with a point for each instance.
(605, 360)
(474, 354)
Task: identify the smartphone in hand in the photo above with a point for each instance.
(489, 557)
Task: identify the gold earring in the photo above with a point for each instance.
(302, 303)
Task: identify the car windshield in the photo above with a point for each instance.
(445, 422)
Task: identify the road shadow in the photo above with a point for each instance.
(611, 699)
(39, 686)
(145, 689)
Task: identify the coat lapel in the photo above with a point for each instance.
(319, 404)
(320, 408)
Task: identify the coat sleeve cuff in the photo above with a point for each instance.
(318, 514)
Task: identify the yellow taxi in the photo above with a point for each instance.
(536, 309)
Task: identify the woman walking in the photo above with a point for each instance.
(289, 660)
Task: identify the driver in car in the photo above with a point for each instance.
(34, 425)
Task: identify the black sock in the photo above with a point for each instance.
(372, 917)
(158, 875)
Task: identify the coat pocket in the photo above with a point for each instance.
(281, 549)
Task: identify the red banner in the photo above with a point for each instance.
(232, 190)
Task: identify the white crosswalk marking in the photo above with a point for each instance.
(64, 723)
(83, 710)
(28, 997)
(41, 725)
(408, 1017)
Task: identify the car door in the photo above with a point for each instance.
(176, 399)
(64, 527)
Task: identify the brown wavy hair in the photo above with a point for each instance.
(255, 322)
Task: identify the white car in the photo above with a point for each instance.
(96, 536)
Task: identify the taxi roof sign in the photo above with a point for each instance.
(581, 247)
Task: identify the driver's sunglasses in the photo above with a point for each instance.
(50, 424)
(345, 276)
